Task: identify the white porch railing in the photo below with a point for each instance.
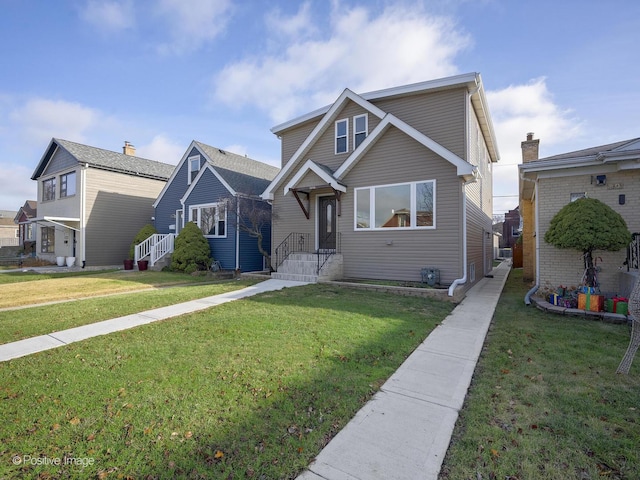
(155, 247)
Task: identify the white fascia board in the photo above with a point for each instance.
(315, 168)
(197, 179)
(175, 172)
(320, 128)
(463, 169)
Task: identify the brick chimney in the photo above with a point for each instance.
(529, 149)
(129, 149)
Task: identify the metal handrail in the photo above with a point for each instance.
(325, 254)
(294, 243)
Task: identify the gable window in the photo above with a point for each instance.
(47, 239)
(359, 130)
(68, 185)
(342, 136)
(194, 167)
(397, 206)
(210, 218)
(49, 189)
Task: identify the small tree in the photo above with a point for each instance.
(252, 216)
(191, 252)
(586, 225)
(144, 233)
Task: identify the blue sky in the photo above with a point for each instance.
(160, 73)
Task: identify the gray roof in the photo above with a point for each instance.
(589, 152)
(107, 160)
(243, 174)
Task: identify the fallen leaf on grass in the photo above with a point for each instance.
(219, 454)
(74, 421)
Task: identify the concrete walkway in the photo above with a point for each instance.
(404, 431)
(31, 345)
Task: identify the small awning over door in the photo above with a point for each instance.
(66, 222)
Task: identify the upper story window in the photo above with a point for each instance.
(194, 167)
(342, 136)
(68, 185)
(398, 206)
(210, 218)
(49, 189)
(359, 129)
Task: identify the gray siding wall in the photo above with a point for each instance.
(439, 115)
(397, 158)
(294, 137)
(61, 160)
(117, 207)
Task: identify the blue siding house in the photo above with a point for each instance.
(212, 187)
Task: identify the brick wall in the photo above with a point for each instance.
(566, 267)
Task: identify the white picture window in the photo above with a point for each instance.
(342, 136)
(397, 206)
(194, 167)
(210, 218)
(359, 130)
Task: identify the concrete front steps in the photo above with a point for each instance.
(302, 267)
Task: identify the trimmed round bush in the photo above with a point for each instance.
(191, 252)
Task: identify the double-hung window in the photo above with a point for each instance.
(398, 206)
(342, 136)
(210, 218)
(359, 129)
(68, 184)
(194, 167)
(49, 189)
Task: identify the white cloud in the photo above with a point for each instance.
(40, 119)
(516, 111)
(192, 23)
(16, 186)
(296, 26)
(111, 16)
(162, 149)
(361, 51)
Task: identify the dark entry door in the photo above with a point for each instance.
(327, 223)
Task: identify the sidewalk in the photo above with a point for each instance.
(404, 431)
(41, 343)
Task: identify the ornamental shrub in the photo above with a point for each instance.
(191, 251)
(588, 224)
(144, 233)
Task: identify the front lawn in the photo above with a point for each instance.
(30, 322)
(250, 389)
(30, 288)
(545, 402)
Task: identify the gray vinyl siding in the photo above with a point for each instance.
(439, 115)
(117, 207)
(61, 160)
(293, 138)
(396, 158)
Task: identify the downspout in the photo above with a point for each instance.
(527, 297)
(463, 279)
(237, 233)
(83, 211)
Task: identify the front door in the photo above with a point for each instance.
(327, 223)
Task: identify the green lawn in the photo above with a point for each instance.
(545, 402)
(31, 288)
(249, 389)
(30, 322)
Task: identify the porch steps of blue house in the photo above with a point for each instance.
(302, 267)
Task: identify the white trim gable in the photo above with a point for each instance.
(464, 169)
(310, 165)
(197, 179)
(326, 122)
(186, 154)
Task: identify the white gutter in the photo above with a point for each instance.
(527, 297)
(237, 232)
(463, 279)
